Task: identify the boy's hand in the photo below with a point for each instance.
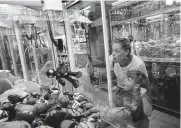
(134, 108)
(143, 92)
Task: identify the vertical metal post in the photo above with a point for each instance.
(21, 51)
(54, 51)
(1, 53)
(130, 30)
(12, 54)
(36, 64)
(106, 47)
(69, 41)
(110, 26)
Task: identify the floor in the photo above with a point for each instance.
(163, 120)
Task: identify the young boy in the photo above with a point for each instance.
(128, 100)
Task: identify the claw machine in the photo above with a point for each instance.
(155, 30)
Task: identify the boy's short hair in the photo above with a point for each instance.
(138, 77)
(125, 43)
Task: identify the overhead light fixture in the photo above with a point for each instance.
(86, 8)
(41, 31)
(71, 16)
(154, 17)
(53, 5)
(169, 2)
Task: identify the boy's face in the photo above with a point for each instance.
(129, 83)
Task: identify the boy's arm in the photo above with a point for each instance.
(116, 113)
(147, 107)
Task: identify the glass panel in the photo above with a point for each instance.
(40, 51)
(154, 28)
(164, 73)
(13, 42)
(171, 67)
(147, 36)
(79, 30)
(172, 35)
(89, 52)
(7, 53)
(90, 59)
(36, 45)
(10, 59)
(47, 54)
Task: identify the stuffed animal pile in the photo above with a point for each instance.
(51, 109)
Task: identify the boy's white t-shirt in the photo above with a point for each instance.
(120, 72)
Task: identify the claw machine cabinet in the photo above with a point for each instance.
(155, 28)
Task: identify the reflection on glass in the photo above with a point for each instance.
(154, 27)
(172, 35)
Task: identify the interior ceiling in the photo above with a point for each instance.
(34, 7)
(33, 3)
(13, 8)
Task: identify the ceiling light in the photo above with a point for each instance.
(86, 8)
(169, 2)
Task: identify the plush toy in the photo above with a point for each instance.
(6, 74)
(5, 85)
(15, 124)
(25, 112)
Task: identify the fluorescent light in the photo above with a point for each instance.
(86, 8)
(4, 5)
(70, 16)
(153, 17)
(169, 2)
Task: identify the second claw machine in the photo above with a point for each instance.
(154, 28)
